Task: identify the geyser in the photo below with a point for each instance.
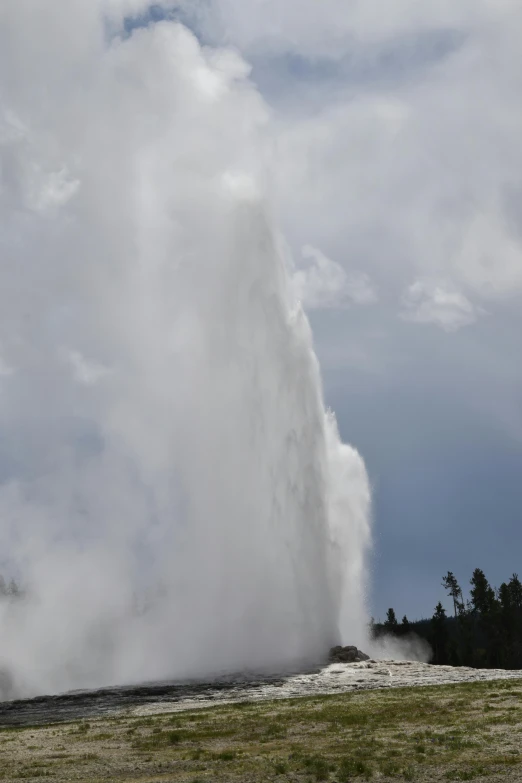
(173, 494)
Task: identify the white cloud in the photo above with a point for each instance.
(427, 302)
(410, 152)
(86, 372)
(490, 257)
(321, 283)
(415, 169)
(332, 27)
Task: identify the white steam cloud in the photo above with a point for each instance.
(172, 493)
(428, 302)
(322, 283)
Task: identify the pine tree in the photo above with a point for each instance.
(439, 635)
(482, 594)
(449, 582)
(463, 646)
(515, 590)
(391, 624)
(507, 619)
(515, 597)
(487, 618)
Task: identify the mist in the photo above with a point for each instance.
(174, 496)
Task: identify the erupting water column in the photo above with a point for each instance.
(183, 452)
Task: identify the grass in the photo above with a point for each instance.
(442, 733)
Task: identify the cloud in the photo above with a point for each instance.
(411, 168)
(426, 302)
(489, 259)
(321, 283)
(331, 28)
(402, 139)
(84, 371)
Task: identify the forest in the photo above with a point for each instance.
(483, 631)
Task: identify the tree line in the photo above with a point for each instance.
(484, 631)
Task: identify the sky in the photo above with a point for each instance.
(397, 146)
(392, 141)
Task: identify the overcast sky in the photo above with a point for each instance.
(395, 179)
(398, 186)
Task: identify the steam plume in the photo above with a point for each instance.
(173, 493)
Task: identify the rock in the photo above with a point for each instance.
(348, 654)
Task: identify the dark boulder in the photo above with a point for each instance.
(349, 654)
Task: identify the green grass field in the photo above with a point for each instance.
(455, 732)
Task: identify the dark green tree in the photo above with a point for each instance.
(391, 625)
(515, 590)
(483, 599)
(439, 635)
(510, 599)
(508, 623)
(462, 645)
(449, 582)
(487, 622)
